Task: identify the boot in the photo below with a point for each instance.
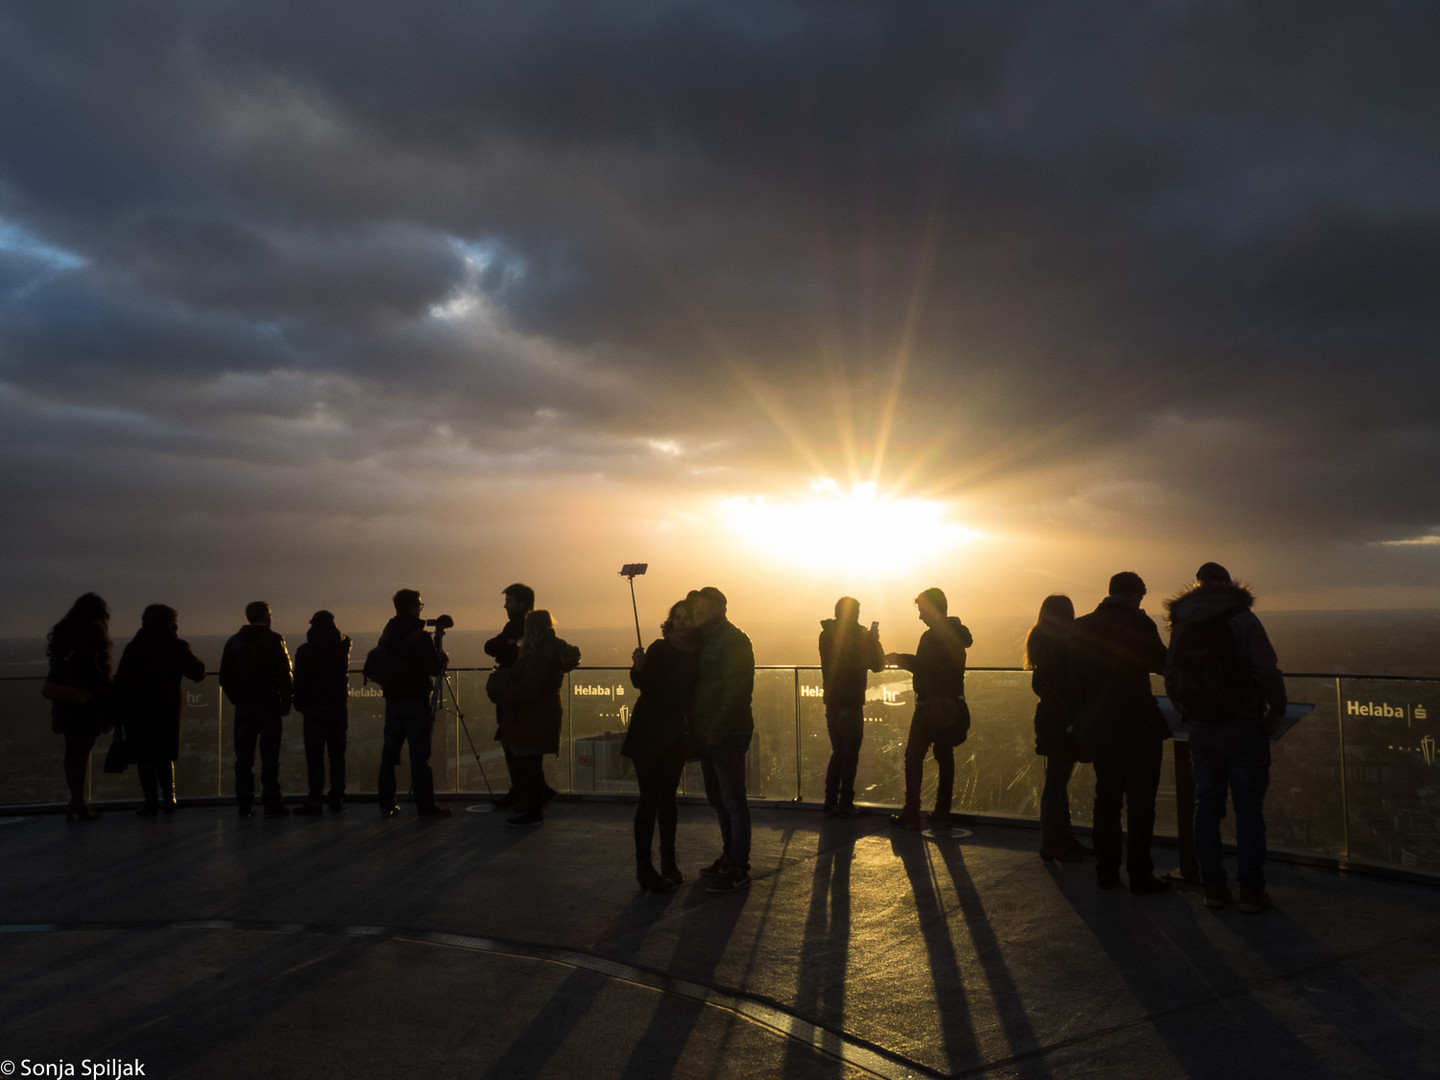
(1051, 847)
(647, 877)
(669, 867)
(148, 788)
(1065, 833)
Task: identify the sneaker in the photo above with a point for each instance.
(433, 810)
(905, 821)
(830, 810)
(390, 811)
(276, 810)
(939, 819)
(247, 811)
(522, 821)
(853, 811)
(1148, 884)
(309, 809)
(733, 880)
(1217, 895)
(1252, 902)
(716, 868)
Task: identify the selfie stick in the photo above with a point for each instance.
(631, 571)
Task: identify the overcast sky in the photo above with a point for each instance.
(313, 301)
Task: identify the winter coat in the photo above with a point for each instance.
(658, 726)
(848, 653)
(1199, 603)
(1113, 652)
(533, 712)
(80, 657)
(938, 662)
(149, 701)
(406, 637)
(1056, 710)
(724, 685)
(322, 670)
(504, 646)
(255, 668)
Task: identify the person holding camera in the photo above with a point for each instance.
(408, 719)
(942, 718)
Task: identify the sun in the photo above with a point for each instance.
(857, 531)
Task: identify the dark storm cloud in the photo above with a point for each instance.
(1193, 246)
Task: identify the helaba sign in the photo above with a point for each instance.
(1386, 710)
(612, 692)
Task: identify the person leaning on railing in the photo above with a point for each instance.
(78, 686)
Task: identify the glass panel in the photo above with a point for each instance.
(600, 704)
(31, 754)
(481, 768)
(770, 767)
(1392, 778)
(1305, 806)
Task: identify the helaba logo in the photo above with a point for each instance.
(1385, 710)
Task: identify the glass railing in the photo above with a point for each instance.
(1357, 780)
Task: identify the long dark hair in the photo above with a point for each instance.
(160, 619)
(90, 608)
(1057, 612)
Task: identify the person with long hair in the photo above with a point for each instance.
(655, 742)
(533, 711)
(1047, 660)
(78, 648)
(147, 689)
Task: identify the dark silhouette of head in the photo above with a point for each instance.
(1212, 573)
(1057, 612)
(405, 599)
(1127, 584)
(847, 609)
(160, 619)
(257, 611)
(538, 625)
(88, 608)
(682, 609)
(323, 618)
(935, 598)
(523, 593)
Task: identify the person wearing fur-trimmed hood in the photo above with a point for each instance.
(1222, 673)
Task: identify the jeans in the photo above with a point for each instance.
(325, 731)
(407, 722)
(257, 723)
(846, 724)
(925, 739)
(1128, 774)
(722, 763)
(658, 782)
(1234, 754)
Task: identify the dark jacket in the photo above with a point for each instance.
(406, 637)
(938, 662)
(1056, 710)
(322, 670)
(149, 701)
(657, 730)
(255, 668)
(1113, 652)
(533, 712)
(505, 646)
(848, 653)
(1266, 689)
(724, 685)
(80, 657)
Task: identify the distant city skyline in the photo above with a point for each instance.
(307, 304)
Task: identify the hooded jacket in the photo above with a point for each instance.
(255, 668)
(1200, 603)
(406, 637)
(322, 669)
(848, 653)
(532, 697)
(938, 662)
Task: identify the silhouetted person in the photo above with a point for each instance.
(322, 694)
(1047, 658)
(255, 675)
(78, 648)
(723, 725)
(655, 741)
(848, 653)
(942, 718)
(505, 648)
(408, 717)
(151, 704)
(533, 713)
(1113, 652)
(1222, 674)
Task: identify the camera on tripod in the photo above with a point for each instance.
(444, 622)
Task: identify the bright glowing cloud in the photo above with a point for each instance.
(852, 531)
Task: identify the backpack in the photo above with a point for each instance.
(1206, 675)
(383, 666)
